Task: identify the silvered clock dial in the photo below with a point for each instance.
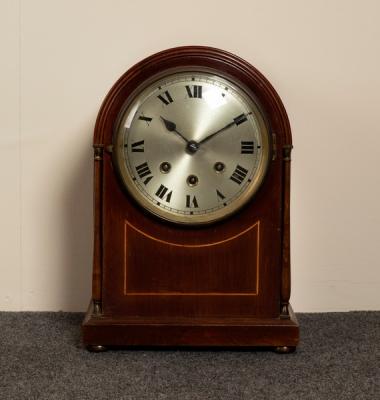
(192, 147)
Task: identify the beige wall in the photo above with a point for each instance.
(60, 57)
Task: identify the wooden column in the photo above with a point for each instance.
(285, 277)
(97, 252)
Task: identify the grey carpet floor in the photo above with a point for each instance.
(41, 357)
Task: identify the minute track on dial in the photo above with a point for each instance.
(208, 174)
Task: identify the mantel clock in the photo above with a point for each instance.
(191, 200)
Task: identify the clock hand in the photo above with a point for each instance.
(171, 127)
(238, 120)
(215, 133)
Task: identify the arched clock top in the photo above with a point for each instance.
(203, 58)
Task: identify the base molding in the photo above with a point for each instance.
(101, 331)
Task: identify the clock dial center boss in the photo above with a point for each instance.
(192, 147)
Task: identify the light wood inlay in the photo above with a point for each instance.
(132, 282)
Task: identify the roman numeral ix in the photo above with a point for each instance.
(239, 174)
(138, 147)
(144, 171)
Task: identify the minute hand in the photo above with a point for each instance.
(236, 121)
(215, 133)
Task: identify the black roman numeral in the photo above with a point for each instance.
(246, 147)
(165, 98)
(138, 147)
(239, 174)
(191, 201)
(162, 192)
(220, 195)
(194, 91)
(240, 119)
(144, 171)
(146, 119)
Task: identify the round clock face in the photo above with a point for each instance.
(191, 147)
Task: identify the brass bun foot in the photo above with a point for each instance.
(96, 348)
(285, 349)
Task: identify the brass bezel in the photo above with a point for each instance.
(119, 161)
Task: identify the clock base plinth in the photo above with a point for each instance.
(101, 331)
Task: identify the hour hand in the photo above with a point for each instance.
(172, 127)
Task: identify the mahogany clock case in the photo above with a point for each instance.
(157, 283)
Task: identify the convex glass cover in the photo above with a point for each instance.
(191, 147)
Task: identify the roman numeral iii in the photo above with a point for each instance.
(194, 91)
(144, 171)
(239, 174)
(165, 98)
(246, 147)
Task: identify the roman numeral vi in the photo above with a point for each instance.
(191, 201)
